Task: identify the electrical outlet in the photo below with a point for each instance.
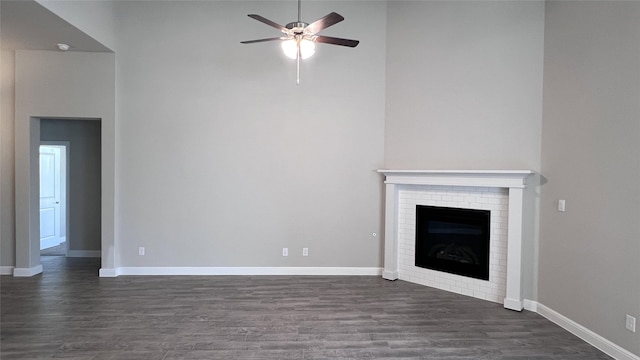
(562, 205)
(141, 251)
(305, 251)
(285, 251)
(631, 323)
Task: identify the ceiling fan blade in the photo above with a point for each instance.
(323, 23)
(336, 41)
(262, 40)
(268, 22)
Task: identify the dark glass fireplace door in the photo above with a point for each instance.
(453, 240)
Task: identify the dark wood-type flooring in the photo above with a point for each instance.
(69, 312)
(58, 250)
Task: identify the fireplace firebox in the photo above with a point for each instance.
(453, 240)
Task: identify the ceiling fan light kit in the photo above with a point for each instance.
(290, 48)
(300, 38)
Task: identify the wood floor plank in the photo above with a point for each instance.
(70, 313)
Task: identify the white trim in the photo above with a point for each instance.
(6, 270)
(513, 299)
(104, 272)
(27, 272)
(513, 304)
(606, 346)
(84, 253)
(390, 275)
(359, 271)
(482, 178)
(391, 261)
(530, 305)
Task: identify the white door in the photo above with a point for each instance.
(50, 196)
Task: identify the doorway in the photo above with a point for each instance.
(80, 217)
(53, 198)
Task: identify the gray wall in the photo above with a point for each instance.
(464, 91)
(84, 178)
(7, 196)
(223, 160)
(95, 18)
(60, 85)
(464, 84)
(589, 255)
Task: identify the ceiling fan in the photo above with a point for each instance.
(299, 39)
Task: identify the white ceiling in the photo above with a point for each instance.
(27, 25)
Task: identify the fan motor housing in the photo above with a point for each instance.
(297, 26)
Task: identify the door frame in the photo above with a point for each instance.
(65, 205)
(27, 260)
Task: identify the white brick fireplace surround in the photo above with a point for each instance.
(501, 192)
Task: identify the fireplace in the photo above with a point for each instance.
(453, 240)
(502, 192)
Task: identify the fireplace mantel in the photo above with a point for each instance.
(484, 178)
(513, 180)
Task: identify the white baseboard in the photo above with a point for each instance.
(390, 275)
(583, 333)
(6, 270)
(530, 305)
(27, 272)
(84, 253)
(513, 304)
(242, 271)
(105, 272)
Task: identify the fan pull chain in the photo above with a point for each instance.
(298, 63)
(298, 43)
